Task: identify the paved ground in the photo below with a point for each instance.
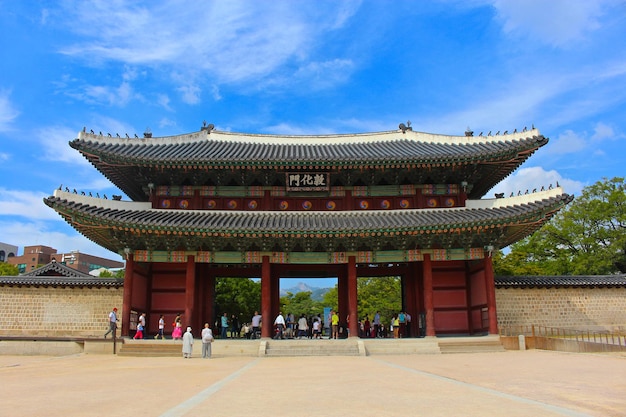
(513, 383)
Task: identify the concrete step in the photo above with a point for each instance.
(173, 348)
(150, 348)
(308, 347)
(476, 344)
(411, 346)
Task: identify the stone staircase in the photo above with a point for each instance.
(428, 345)
(313, 347)
(308, 347)
(475, 344)
(148, 347)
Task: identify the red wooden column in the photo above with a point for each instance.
(429, 305)
(209, 295)
(353, 325)
(129, 272)
(409, 282)
(490, 285)
(342, 294)
(266, 298)
(190, 294)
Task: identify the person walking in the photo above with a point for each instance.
(234, 327)
(139, 332)
(177, 333)
(280, 325)
(224, 326)
(207, 339)
(256, 325)
(334, 322)
(142, 321)
(112, 323)
(161, 328)
(187, 343)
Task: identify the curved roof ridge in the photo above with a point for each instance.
(101, 202)
(326, 139)
(515, 200)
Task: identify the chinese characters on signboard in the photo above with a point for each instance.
(307, 181)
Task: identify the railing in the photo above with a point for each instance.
(588, 336)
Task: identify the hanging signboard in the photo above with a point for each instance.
(308, 181)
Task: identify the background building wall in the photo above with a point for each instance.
(577, 308)
(60, 312)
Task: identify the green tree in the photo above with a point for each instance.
(301, 303)
(586, 238)
(239, 296)
(8, 269)
(382, 294)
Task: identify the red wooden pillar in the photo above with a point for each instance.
(490, 285)
(209, 295)
(129, 272)
(353, 317)
(409, 282)
(429, 305)
(190, 294)
(266, 298)
(342, 295)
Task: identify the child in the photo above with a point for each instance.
(139, 333)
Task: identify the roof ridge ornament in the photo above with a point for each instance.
(207, 127)
(406, 127)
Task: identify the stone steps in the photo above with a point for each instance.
(315, 347)
(308, 347)
(478, 344)
(150, 348)
(418, 346)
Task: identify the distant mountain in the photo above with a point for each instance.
(317, 294)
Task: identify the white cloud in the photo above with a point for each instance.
(556, 22)
(7, 112)
(533, 178)
(567, 142)
(190, 94)
(4, 156)
(54, 145)
(603, 131)
(43, 233)
(163, 100)
(228, 41)
(25, 204)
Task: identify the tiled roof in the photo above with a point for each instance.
(55, 274)
(56, 269)
(109, 225)
(131, 164)
(24, 280)
(222, 147)
(561, 281)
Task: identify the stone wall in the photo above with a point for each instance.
(60, 312)
(83, 312)
(576, 308)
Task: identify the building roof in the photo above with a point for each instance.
(541, 281)
(55, 274)
(116, 225)
(199, 158)
(56, 269)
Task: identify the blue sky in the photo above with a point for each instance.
(298, 67)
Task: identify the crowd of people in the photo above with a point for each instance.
(289, 326)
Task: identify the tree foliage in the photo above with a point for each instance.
(382, 294)
(586, 238)
(301, 303)
(8, 269)
(239, 296)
